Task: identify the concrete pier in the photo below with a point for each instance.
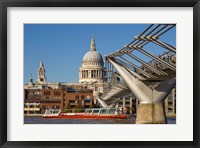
(151, 114)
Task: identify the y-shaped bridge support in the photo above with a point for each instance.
(151, 97)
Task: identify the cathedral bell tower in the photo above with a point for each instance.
(41, 79)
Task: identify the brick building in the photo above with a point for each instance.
(51, 98)
(36, 101)
(78, 97)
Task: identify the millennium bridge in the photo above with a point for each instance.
(150, 82)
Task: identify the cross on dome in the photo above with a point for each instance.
(92, 45)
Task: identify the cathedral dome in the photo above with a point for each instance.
(92, 57)
(92, 69)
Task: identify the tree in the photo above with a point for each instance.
(91, 106)
(78, 109)
(67, 108)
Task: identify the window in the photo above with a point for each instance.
(56, 93)
(47, 93)
(77, 97)
(82, 97)
(57, 97)
(36, 93)
(71, 101)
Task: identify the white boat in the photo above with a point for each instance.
(52, 112)
(93, 113)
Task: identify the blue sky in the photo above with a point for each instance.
(62, 46)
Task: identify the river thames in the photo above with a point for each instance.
(40, 120)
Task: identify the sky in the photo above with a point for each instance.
(62, 46)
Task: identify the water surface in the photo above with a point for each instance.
(40, 120)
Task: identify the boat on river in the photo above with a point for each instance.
(93, 113)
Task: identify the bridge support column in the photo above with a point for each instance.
(151, 114)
